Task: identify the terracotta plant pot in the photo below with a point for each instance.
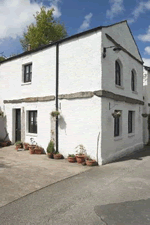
(50, 155)
(31, 149)
(18, 146)
(8, 143)
(57, 156)
(80, 158)
(26, 146)
(91, 163)
(38, 150)
(3, 143)
(72, 159)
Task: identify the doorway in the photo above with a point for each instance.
(17, 125)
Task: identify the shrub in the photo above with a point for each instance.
(50, 147)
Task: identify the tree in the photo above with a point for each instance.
(45, 29)
(2, 58)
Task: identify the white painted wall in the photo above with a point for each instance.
(43, 76)
(112, 146)
(80, 64)
(80, 124)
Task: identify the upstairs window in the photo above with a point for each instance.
(117, 73)
(27, 73)
(32, 126)
(133, 80)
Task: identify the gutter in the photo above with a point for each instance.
(57, 83)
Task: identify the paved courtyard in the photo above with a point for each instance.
(22, 173)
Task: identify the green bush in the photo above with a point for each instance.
(18, 143)
(50, 147)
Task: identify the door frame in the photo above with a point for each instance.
(14, 123)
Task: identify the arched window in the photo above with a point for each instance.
(117, 73)
(133, 80)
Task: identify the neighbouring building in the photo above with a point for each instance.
(87, 77)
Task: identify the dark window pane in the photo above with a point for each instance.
(116, 126)
(132, 81)
(117, 74)
(27, 73)
(32, 121)
(130, 121)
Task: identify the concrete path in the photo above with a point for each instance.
(114, 194)
(22, 173)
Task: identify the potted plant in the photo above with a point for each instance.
(71, 158)
(55, 113)
(80, 156)
(18, 145)
(38, 149)
(31, 149)
(57, 155)
(116, 114)
(144, 115)
(90, 162)
(50, 149)
(1, 113)
(26, 146)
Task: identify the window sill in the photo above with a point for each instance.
(121, 87)
(131, 134)
(31, 134)
(27, 83)
(118, 138)
(135, 92)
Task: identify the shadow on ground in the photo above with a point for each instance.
(136, 155)
(125, 213)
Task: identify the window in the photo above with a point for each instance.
(117, 73)
(32, 126)
(117, 126)
(27, 73)
(130, 122)
(133, 80)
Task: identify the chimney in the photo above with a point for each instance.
(29, 47)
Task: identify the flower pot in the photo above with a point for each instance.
(18, 146)
(26, 146)
(3, 144)
(91, 163)
(72, 159)
(8, 143)
(50, 155)
(80, 158)
(57, 156)
(38, 150)
(31, 149)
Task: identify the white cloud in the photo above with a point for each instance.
(147, 50)
(16, 15)
(86, 22)
(141, 8)
(145, 37)
(116, 8)
(146, 62)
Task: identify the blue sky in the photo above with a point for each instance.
(78, 16)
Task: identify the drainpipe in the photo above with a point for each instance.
(57, 73)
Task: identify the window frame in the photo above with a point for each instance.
(133, 81)
(131, 122)
(117, 125)
(118, 73)
(32, 124)
(27, 76)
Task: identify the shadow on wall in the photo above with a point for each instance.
(3, 131)
(62, 123)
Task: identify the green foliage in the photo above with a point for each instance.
(50, 147)
(55, 113)
(18, 143)
(2, 58)
(45, 29)
(71, 155)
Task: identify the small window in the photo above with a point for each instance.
(27, 73)
(130, 122)
(133, 81)
(117, 126)
(117, 73)
(32, 126)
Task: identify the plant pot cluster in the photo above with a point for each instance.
(5, 143)
(35, 149)
(51, 153)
